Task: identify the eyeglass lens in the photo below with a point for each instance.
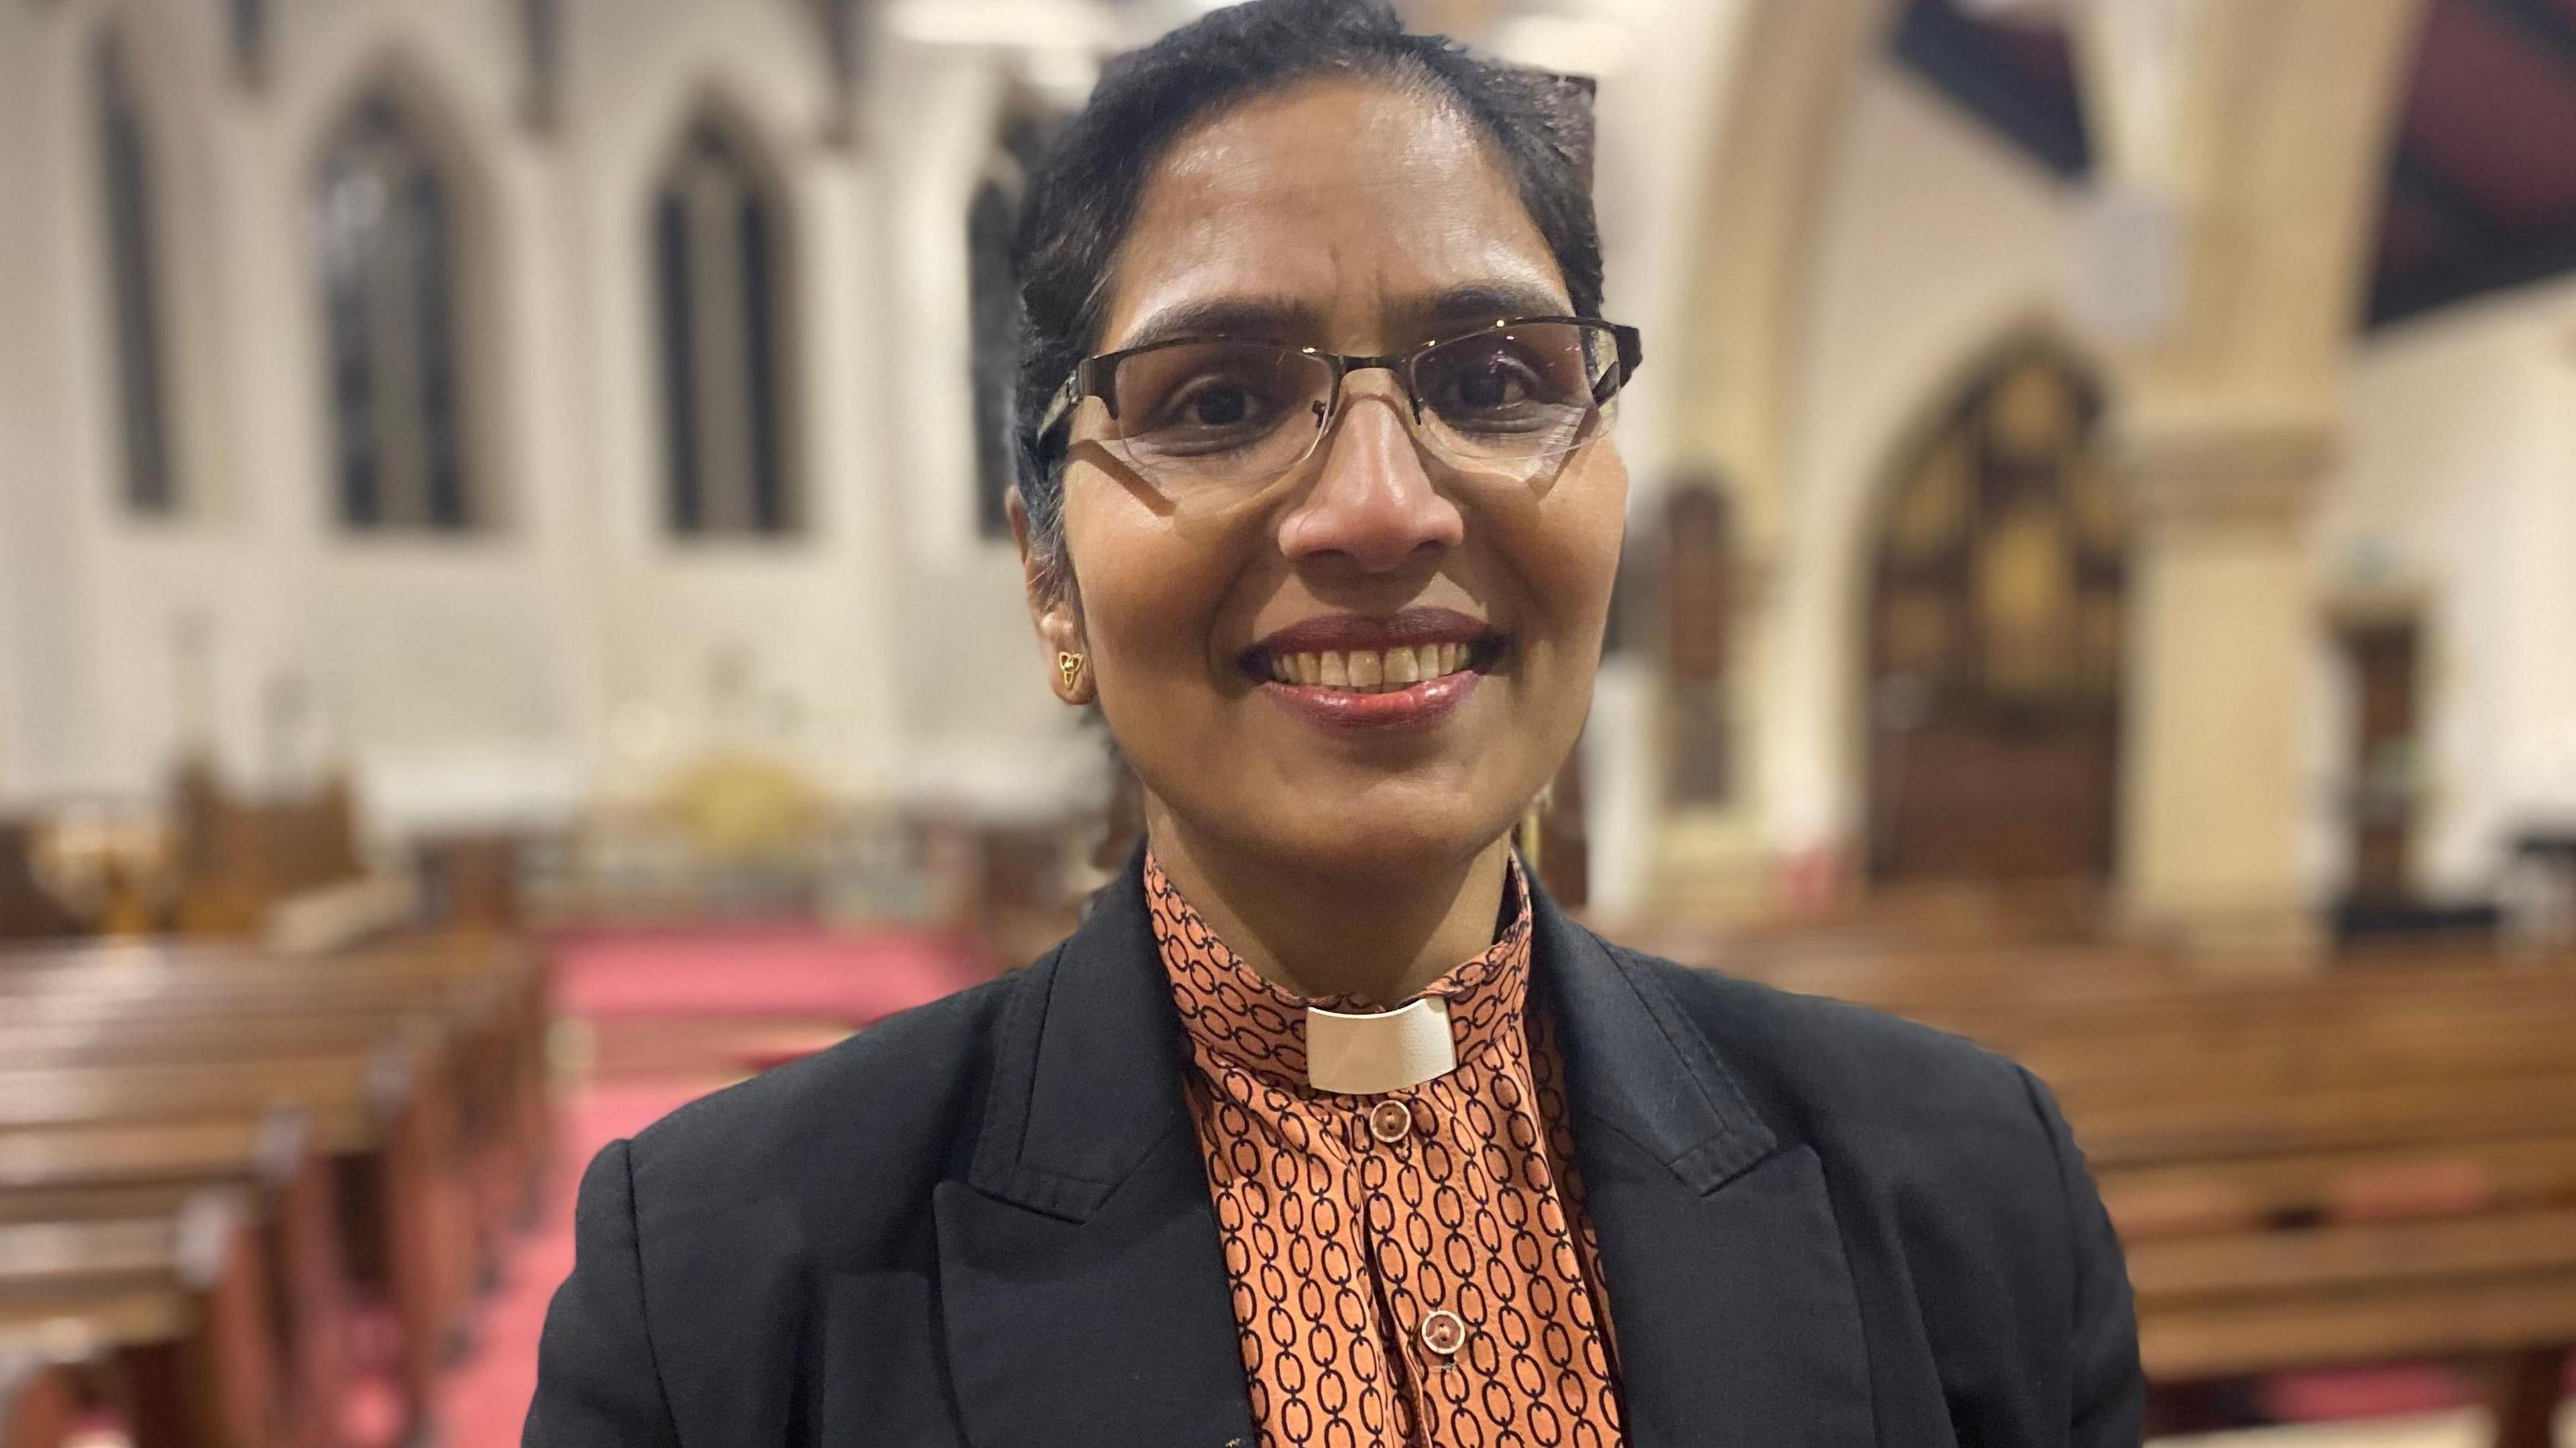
(1231, 411)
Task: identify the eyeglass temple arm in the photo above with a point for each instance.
(1632, 355)
(1089, 379)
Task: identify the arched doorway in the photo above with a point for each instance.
(1995, 637)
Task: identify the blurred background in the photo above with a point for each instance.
(507, 622)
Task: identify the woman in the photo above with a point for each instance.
(1326, 1127)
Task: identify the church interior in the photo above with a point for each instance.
(508, 622)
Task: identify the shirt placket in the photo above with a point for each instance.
(1422, 1334)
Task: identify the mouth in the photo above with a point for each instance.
(1377, 671)
(1352, 671)
(1357, 654)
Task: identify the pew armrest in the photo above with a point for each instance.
(318, 921)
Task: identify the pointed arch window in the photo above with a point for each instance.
(1998, 635)
(150, 481)
(992, 219)
(719, 245)
(387, 228)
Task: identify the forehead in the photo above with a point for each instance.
(1347, 205)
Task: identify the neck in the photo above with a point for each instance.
(1381, 937)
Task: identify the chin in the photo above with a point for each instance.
(1372, 841)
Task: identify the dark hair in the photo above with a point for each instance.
(1082, 198)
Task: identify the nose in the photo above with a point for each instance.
(1373, 503)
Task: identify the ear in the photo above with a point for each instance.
(1055, 610)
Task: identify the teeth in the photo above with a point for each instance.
(1368, 672)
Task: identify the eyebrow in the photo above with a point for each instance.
(1269, 319)
(1281, 319)
(1492, 304)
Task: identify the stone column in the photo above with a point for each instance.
(1714, 861)
(2222, 617)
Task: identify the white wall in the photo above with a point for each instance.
(567, 651)
(1937, 242)
(2459, 482)
(99, 598)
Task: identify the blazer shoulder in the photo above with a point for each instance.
(1847, 1075)
(902, 1093)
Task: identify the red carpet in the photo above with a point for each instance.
(782, 971)
(635, 983)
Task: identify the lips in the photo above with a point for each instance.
(1362, 654)
(1354, 672)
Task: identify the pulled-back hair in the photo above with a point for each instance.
(1082, 197)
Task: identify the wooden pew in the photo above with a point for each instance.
(144, 1169)
(2375, 1164)
(2305, 1188)
(40, 1402)
(27, 911)
(485, 1002)
(239, 857)
(132, 1064)
(167, 1313)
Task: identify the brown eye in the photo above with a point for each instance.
(1220, 407)
(1487, 384)
(1486, 387)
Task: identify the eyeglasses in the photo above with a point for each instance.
(1216, 411)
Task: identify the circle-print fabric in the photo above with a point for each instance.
(1436, 1286)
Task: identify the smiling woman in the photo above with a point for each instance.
(1327, 1127)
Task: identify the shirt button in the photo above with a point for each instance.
(1443, 1333)
(1390, 1122)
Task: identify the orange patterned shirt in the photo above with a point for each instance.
(1410, 1269)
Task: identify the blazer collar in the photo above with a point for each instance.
(1635, 1066)
(1088, 1079)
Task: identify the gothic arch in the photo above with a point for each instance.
(402, 262)
(140, 103)
(991, 220)
(1992, 637)
(1787, 87)
(1784, 75)
(724, 267)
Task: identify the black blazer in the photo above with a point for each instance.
(985, 1222)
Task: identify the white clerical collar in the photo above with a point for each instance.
(1381, 1051)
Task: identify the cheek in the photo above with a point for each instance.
(1148, 594)
(1567, 548)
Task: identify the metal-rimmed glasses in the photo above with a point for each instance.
(1509, 397)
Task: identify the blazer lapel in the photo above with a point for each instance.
(1731, 1301)
(1082, 1277)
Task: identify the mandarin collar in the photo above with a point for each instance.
(1235, 1018)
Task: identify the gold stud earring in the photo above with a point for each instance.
(1070, 666)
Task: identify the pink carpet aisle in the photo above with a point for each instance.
(673, 1015)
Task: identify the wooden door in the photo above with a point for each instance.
(2380, 808)
(1995, 640)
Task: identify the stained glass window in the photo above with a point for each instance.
(992, 219)
(150, 484)
(1997, 636)
(386, 226)
(718, 245)
(989, 224)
